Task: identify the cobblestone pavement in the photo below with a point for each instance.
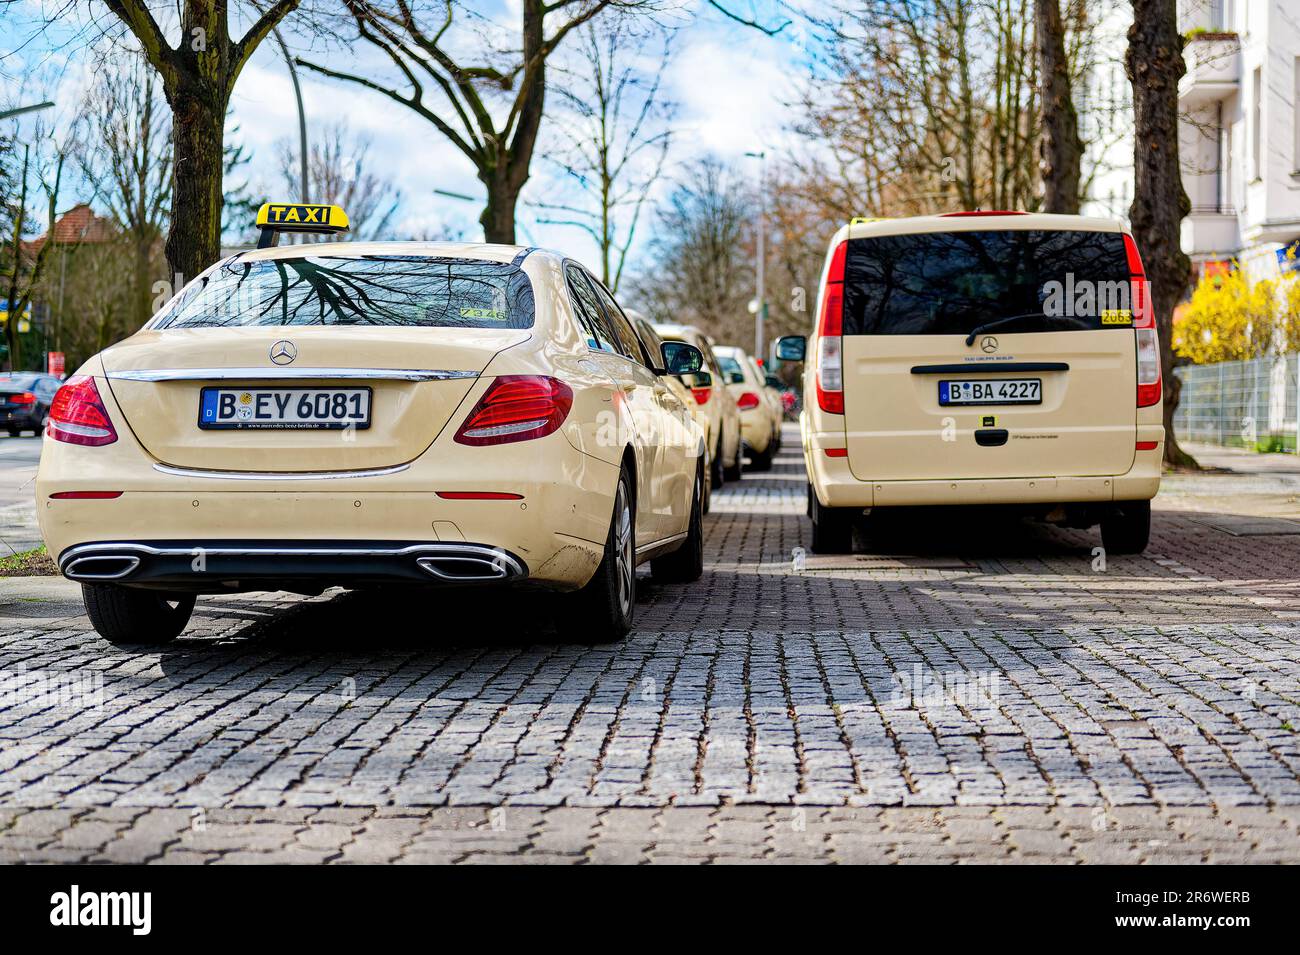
(965, 689)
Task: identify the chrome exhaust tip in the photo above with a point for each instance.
(100, 567)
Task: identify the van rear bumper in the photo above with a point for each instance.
(835, 486)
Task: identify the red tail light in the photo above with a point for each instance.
(701, 395)
(983, 212)
(516, 408)
(830, 369)
(86, 496)
(1144, 327)
(479, 496)
(78, 415)
(747, 401)
(23, 398)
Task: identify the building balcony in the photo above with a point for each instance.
(1211, 232)
(1213, 69)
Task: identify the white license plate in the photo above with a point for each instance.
(992, 391)
(284, 408)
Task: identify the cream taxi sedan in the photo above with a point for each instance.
(362, 414)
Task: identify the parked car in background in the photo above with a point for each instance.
(950, 365)
(25, 398)
(681, 386)
(759, 407)
(722, 426)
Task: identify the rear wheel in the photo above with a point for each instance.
(832, 527)
(761, 460)
(686, 564)
(733, 471)
(716, 474)
(126, 617)
(605, 606)
(1128, 529)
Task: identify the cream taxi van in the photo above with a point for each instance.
(993, 358)
(360, 414)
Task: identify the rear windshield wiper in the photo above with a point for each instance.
(996, 323)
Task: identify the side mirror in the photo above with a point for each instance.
(681, 358)
(736, 378)
(774, 382)
(791, 348)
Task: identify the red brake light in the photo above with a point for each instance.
(983, 212)
(747, 401)
(86, 496)
(837, 452)
(78, 415)
(479, 496)
(830, 377)
(23, 398)
(701, 395)
(516, 408)
(1144, 328)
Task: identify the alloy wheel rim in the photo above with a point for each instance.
(624, 564)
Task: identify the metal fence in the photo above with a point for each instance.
(1242, 404)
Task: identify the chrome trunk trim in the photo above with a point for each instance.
(276, 475)
(281, 373)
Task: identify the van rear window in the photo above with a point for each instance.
(950, 283)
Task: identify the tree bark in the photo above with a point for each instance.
(198, 130)
(1060, 149)
(1154, 64)
(498, 218)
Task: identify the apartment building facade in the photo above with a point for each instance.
(1239, 105)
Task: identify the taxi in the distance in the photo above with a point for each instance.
(721, 417)
(680, 385)
(757, 402)
(362, 414)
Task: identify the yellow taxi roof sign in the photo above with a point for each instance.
(276, 217)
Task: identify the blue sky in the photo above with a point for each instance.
(731, 85)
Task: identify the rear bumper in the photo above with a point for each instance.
(835, 485)
(206, 566)
(755, 429)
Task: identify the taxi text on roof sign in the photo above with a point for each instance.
(276, 217)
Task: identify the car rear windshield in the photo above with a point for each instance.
(401, 290)
(729, 366)
(950, 283)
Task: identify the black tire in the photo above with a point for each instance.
(14, 432)
(605, 607)
(126, 617)
(761, 461)
(716, 471)
(708, 487)
(737, 467)
(1128, 529)
(686, 564)
(832, 527)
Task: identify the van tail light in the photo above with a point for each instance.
(1144, 327)
(830, 366)
(516, 408)
(23, 398)
(747, 401)
(701, 395)
(78, 415)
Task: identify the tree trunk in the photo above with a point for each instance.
(13, 361)
(1154, 64)
(498, 218)
(194, 236)
(1060, 149)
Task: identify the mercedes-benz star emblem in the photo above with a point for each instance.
(283, 352)
(987, 344)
